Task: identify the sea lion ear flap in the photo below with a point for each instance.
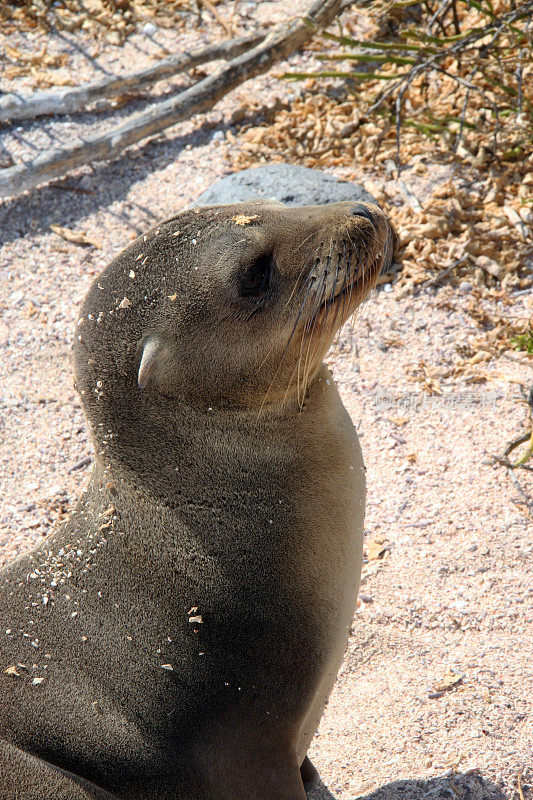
(152, 350)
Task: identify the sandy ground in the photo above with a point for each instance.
(452, 596)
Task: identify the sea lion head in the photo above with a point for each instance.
(228, 305)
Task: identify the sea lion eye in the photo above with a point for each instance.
(256, 279)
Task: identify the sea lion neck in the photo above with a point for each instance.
(168, 447)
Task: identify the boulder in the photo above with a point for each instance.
(288, 183)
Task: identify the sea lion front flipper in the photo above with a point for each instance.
(26, 777)
(284, 787)
(309, 773)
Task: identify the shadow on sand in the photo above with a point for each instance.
(62, 202)
(456, 786)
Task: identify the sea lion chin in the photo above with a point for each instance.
(178, 637)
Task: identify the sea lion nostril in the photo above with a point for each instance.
(360, 210)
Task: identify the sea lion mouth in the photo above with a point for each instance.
(335, 291)
(352, 289)
(357, 270)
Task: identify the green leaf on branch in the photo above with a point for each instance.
(389, 59)
(348, 42)
(358, 76)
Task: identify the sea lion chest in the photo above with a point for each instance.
(268, 554)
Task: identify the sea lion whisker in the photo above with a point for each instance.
(352, 288)
(298, 280)
(351, 241)
(273, 345)
(290, 382)
(322, 283)
(253, 312)
(362, 306)
(336, 306)
(331, 298)
(305, 240)
(302, 340)
(310, 282)
(346, 281)
(329, 320)
(316, 304)
(357, 257)
(363, 273)
(311, 328)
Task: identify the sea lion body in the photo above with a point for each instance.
(179, 636)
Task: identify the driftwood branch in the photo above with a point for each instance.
(201, 97)
(69, 100)
(283, 40)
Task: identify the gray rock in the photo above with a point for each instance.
(288, 183)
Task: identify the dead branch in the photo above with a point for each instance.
(69, 100)
(283, 40)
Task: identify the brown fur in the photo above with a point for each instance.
(189, 619)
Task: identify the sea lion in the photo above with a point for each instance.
(178, 637)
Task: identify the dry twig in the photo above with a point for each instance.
(69, 100)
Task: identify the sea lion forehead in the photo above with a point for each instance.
(257, 225)
(294, 222)
(249, 228)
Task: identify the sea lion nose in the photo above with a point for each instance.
(360, 210)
